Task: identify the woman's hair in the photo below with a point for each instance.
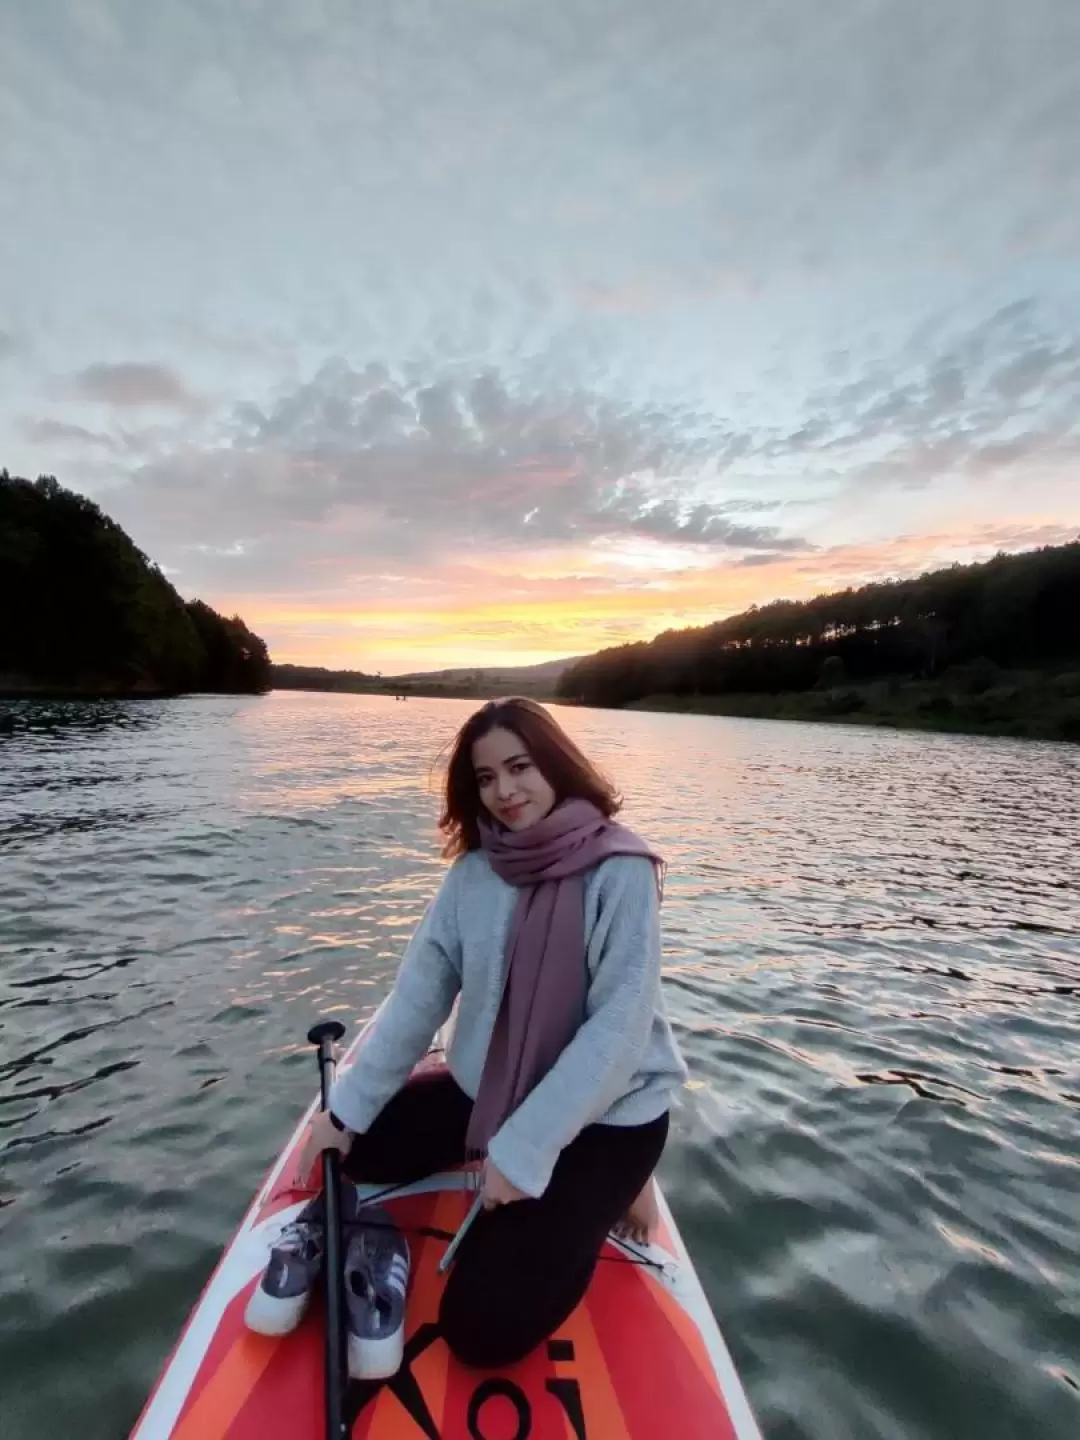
(569, 773)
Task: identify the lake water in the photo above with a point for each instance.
(873, 966)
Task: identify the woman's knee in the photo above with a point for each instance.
(489, 1321)
(485, 1333)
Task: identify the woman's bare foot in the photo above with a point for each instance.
(642, 1220)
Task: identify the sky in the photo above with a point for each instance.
(429, 335)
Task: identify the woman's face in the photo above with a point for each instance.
(510, 784)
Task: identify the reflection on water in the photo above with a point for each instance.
(873, 955)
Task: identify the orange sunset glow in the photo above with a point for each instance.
(547, 616)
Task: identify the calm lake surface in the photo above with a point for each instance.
(873, 966)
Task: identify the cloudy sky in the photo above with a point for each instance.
(430, 334)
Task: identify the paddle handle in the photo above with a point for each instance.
(324, 1036)
(451, 1249)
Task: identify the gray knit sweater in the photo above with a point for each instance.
(619, 1069)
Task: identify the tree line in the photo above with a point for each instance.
(1016, 611)
(318, 677)
(82, 608)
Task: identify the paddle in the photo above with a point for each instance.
(463, 1230)
(324, 1035)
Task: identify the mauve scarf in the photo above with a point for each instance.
(544, 992)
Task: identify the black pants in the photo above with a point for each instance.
(522, 1268)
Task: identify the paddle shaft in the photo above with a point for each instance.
(451, 1250)
(323, 1036)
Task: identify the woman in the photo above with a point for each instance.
(561, 1064)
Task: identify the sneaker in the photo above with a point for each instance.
(376, 1279)
(278, 1302)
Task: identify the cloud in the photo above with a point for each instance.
(399, 465)
(996, 395)
(8, 345)
(367, 464)
(709, 525)
(766, 557)
(131, 384)
(1027, 372)
(60, 433)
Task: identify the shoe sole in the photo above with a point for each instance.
(376, 1359)
(268, 1315)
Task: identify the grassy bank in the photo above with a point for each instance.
(1030, 705)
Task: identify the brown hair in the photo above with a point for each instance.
(569, 773)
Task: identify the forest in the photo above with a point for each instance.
(318, 677)
(83, 611)
(990, 646)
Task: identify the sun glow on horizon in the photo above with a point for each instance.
(541, 615)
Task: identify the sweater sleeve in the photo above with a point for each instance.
(404, 1025)
(596, 1067)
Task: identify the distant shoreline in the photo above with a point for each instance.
(16, 688)
(432, 690)
(1027, 707)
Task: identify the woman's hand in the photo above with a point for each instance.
(497, 1190)
(642, 1220)
(323, 1135)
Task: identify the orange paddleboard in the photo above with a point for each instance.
(641, 1358)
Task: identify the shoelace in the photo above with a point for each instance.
(297, 1238)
